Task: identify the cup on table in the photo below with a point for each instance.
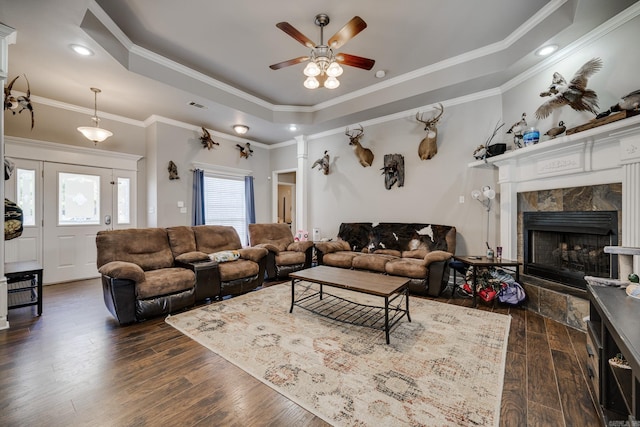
(499, 251)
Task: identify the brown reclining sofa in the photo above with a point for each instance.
(148, 272)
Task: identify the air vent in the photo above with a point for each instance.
(195, 104)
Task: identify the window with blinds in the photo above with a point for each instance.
(224, 203)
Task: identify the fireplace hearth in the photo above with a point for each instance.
(565, 246)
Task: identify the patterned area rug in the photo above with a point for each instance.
(445, 367)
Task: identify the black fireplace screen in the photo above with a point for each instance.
(566, 246)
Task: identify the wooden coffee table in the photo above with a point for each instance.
(334, 307)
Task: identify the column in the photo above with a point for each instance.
(301, 182)
(7, 36)
(630, 159)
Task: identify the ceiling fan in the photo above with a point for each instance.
(324, 64)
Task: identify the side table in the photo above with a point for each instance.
(483, 261)
(24, 295)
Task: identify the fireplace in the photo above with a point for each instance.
(566, 246)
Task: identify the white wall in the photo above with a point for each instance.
(351, 193)
(183, 147)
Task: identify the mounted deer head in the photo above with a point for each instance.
(364, 155)
(428, 147)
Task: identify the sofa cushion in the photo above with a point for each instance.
(237, 270)
(146, 247)
(224, 256)
(407, 267)
(181, 240)
(392, 252)
(165, 281)
(290, 258)
(372, 262)
(342, 259)
(300, 246)
(418, 253)
(216, 238)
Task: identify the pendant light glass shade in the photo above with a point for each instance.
(95, 133)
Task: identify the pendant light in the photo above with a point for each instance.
(95, 133)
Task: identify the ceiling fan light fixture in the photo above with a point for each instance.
(331, 83)
(311, 83)
(312, 69)
(334, 70)
(95, 133)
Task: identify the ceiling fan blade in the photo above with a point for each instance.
(349, 31)
(355, 61)
(289, 29)
(293, 61)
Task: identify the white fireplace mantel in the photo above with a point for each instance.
(602, 155)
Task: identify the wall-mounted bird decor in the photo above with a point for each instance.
(206, 140)
(245, 150)
(16, 104)
(574, 93)
(558, 130)
(173, 170)
(518, 129)
(323, 163)
(628, 102)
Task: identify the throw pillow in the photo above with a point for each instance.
(224, 256)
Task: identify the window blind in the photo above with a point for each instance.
(224, 203)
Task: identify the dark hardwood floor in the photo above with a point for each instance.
(75, 366)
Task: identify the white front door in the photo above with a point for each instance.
(79, 201)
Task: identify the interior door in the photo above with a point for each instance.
(78, 202)
(24, 187)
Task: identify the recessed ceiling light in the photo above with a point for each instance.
(81, 50)
(293, 128)
(380, 74)
(547, 50)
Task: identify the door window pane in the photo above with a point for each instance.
(224, 204)
(25, 195)
(124, 208)
(78, 199)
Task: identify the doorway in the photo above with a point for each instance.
(284, 198)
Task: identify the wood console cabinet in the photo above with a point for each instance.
(613, 328)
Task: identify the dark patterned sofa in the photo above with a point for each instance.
(417, 251)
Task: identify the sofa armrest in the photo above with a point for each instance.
(329, 247)
(300, 246)
(268, 246)
(123, 270)
(436, 256)
(120, 298)
(438, 265)
(253, 253)
(189, 257)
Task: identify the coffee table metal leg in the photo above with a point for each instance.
(475, 286)
(386, 318)
(293, 294)
(406, 298)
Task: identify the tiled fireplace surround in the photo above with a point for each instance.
(596, 169)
